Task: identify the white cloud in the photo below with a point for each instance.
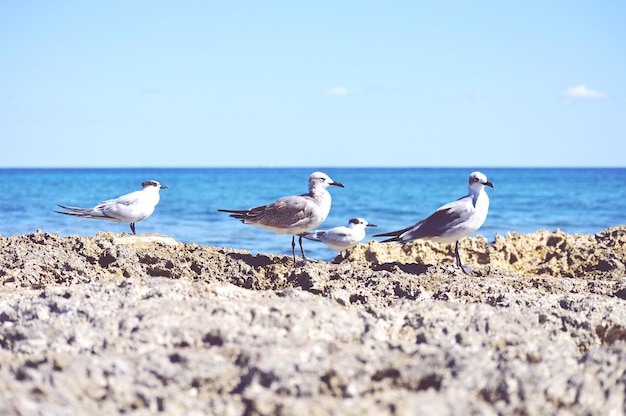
(582, 91)
(337, 91)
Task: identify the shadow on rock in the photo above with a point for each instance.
(410, 268)
(260, 260)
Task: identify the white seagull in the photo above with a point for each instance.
(343, 237)
(132, 207)
(452, 221)
(292, 214)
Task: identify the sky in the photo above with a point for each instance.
(319, 84)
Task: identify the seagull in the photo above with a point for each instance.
(292, 214)
(132, 207)
(341, 238)
(452, 221)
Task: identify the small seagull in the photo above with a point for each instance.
(452, 221)
(132, 207)
(292, 214)
(343, 237)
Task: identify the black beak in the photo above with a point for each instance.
(489, 184)
(339, 184)
(371, 225)
(164, 186)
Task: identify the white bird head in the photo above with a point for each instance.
(321, 179)
(354, 222)
(152, 183)
(477, 181)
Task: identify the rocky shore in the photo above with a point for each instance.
(143, 324)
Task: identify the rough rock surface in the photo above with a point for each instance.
(142, 324)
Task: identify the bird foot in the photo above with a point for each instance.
(467, 269)
(303, 262)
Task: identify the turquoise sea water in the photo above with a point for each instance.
(524, 200)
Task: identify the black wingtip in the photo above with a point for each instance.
(395, 237)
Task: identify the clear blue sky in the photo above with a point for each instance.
(324, 83)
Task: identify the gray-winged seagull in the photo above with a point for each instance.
(292, 214)
(452, 221)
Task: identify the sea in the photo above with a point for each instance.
(585, 200)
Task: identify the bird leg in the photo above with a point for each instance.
(302, 248)
(132, 228)
(293, 248)
(467, 269)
